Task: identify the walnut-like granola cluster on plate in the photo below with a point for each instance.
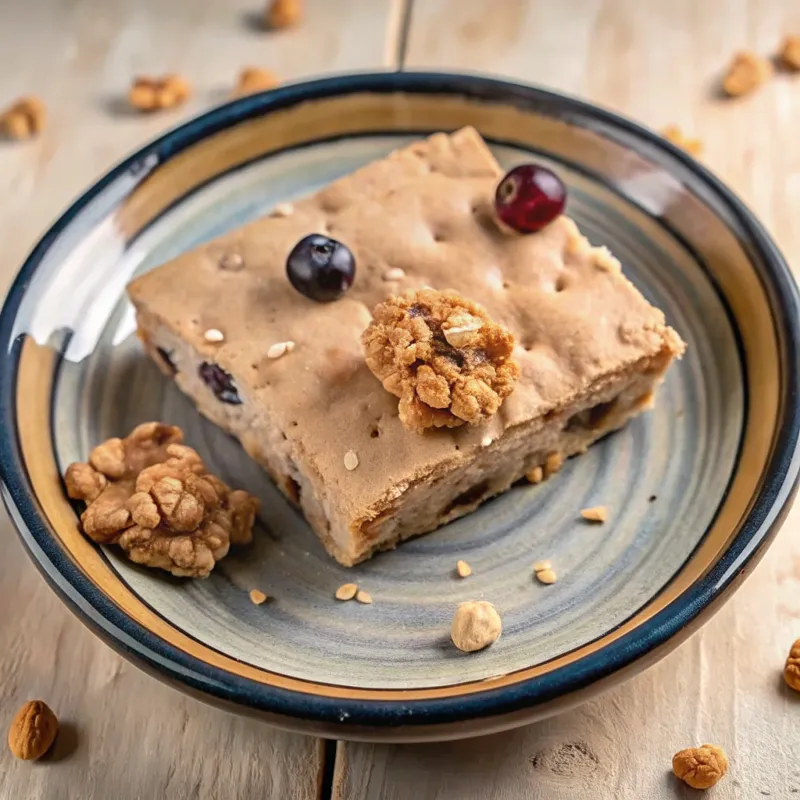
(152, 495)
(443, 356)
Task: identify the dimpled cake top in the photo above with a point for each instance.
(420, 217)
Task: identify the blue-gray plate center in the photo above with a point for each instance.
(662, 478)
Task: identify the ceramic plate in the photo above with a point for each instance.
(696, 488)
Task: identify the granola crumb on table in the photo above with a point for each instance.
(153, 496)
(746, 72)
(255, 79)
(700, 767)
(443, 356)
(155, 94)
(23, 119)
(791, 672)
(33, 730)
(789, 54)
(675, 135)
(282, 14)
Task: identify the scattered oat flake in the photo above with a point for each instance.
(280, 348)
(214, 335)
(350, 460)
(282, 210)
(463, 569)
(595, 514)
(347, 591)
(394, 274)
(363, 597)
(540, 566)
(257, 597)
(546, 576)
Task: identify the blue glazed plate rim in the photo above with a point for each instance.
(102, 615)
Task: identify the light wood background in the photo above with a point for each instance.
(128, 736)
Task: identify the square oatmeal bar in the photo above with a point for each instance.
(287, 376)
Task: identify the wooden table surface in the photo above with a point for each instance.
(124, 734)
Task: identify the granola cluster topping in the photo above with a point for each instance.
(443, 356)
(153, 496)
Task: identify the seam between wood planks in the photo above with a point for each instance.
(397, 34)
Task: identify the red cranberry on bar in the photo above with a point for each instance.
(529, 197)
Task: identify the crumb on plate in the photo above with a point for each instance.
(257, 597)
(547, 576)
(347, 591)
(476, 624)
(595, 514)
(463, 569)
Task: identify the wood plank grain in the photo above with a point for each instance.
(658, 63)
(125, 735)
